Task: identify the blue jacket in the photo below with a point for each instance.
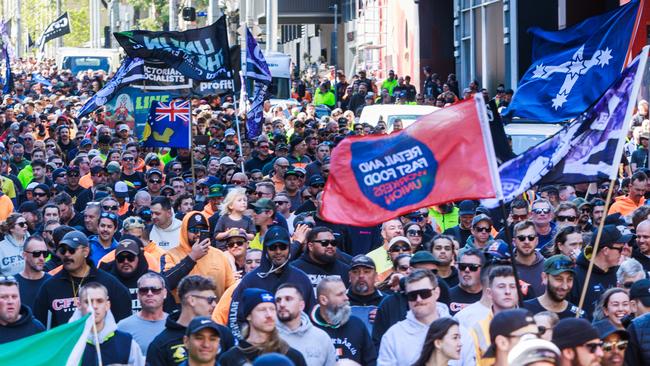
(26, 326)
(638, 350)
(97, 250)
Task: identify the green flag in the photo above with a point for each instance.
(63, 345)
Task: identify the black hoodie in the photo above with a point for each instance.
(26, 326)
(599, 282)
(316, 271)
(58, 296)
(168, 349)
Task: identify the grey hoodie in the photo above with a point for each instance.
(167, 238)
(11, 256)
(314, 344)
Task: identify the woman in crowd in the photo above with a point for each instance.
(442, 343)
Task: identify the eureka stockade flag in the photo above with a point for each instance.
(445, 156)
(201, 54)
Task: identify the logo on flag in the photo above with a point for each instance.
(445, 156)
(168, 125)
(587, 150)
(258, 70)
(58, 28)
(571, 68)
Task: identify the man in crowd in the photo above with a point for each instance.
(542, 216)
(129, 265)
(166, 229)
(32, 276)
(625, 205)
(320, 260)
(462, 231)
(481, 228)
(443, 249)
(389, 230)
(363, 295)
(16, 319)
(201, 341)
(295, 327)
(528, 261)
(197, 298)
(579, 343)
(507, 328)
(641, 252)
(348, 333)
(469, 289)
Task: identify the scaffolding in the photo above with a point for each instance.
(371, 35)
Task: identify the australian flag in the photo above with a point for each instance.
(587, 150)
(571, 68)
(132, 69)
(258, 70)
(168, 125)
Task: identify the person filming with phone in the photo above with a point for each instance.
(195, 256)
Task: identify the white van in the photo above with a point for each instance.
(390, 112)
(81, 59)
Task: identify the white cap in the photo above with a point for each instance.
(226, 160)
(229, 132)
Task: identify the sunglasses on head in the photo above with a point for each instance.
(38, 253)
(62, 249)
(108, 215)
(471, 266)
(8, 280)
(197, 230)
(152, 289)
(125, 257)
(278, 246)
(238, 243)
(524, 237)
(422, 294)
(326, 243)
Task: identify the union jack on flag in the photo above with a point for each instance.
(168, 125)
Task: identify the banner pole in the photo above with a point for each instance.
(511, 251)
(594, 251)
(191, 151)
(95, 336)
(234, 96)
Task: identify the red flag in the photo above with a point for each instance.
(446, 156)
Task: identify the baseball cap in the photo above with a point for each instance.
(289, 172)
(153, 171)
(264, 204)
(85, 142)
(507, 322)
(481, 217)
(229, 132)
(113, 167)
(58, 172)
(573, 332)
(197, 220)
(227, 105)
(316, 179)
(273, 359)
(398, 239)
(641, 290)
(276, 234)
(606, 328)
(362, 261)
(31, 186)
(235, 233)
(498, 251)
(127, 245)
(121, 189)
(531, 349)
(123, 127)
(423, 256)
(226, 160)
(199, 323)
(74, 239)
(557, 264)
(97, 169)
(466, 207)
(167, 190)
(216, 190)
(279, 147)
(610, 236)
(28, 206)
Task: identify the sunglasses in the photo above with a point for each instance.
(38, 253)
(416, 218)
(593, 347)
(566, 218)
(326, 243)
(400, 248)
(154, 181)
(62, 249)
(540, 211)
(73, 174)
(422, 294)
(230, 150)
(22, 224)
(108, 215)
(281, 202)
(278, 246)
(8, 280)
(209, 299)
(128, 158)
(586, 210)
(146, 290)
(414, 232)
(110, 208)
(403, 268)
(40, 194)
(620, 345)
(197, 230)
(524, 237)
(130, 257)
(519, 217)
(482, 229)
(238, 243)
(317, 185)
(471, 266)
(628, 285)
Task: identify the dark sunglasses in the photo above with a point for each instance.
(71, 174)
(232, 244)
(403, 268)
(110, 208)
(400, 248)
(326, 243)
(128, 158)
(541, 211)
(628, 284)
(472, 267)
(40, 194)
(416, 218)
(209, 299)
(38, 253)
(566, 218)
(125, 257)
(278, 246)
(423, 294)
(519, 217)
(593, 347)
(154, 181)
(620, 345)
(62, 249)
(524, 237)
(22, 224)
(414, 232)
(482, 229)
(146, 290)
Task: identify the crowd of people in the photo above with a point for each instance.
(218, 254)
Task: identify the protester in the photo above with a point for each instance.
(201, 342)
(442, 248)
(15, 232)
(615, 342)
(579, 343)
(613, 307)
(166, 230)
(31, 278)
(441, 344)
(320, 258)
(469, 289)
(16, 319)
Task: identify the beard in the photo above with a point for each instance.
(554, 295)
(287, 316)
(339, 314)
(360, 288)
(327, 259)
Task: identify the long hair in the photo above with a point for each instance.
(437, 330)
(231, 197)
(9, 223)
(603, 302)
(274, 344)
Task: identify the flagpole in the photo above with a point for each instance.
(95, 335)
(191, 150)
(234, 95)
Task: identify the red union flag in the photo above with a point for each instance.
(446, 156)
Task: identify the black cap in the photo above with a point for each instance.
(276, 234)
(606, 328)
(199, 323)
(127, 245)
(28, 206)
(316, 179)
(466, 207)
(74, 239)
(362, 261)
(610, 236)
(197, 220)
(573, 332)
(641, 290)
(506, 322)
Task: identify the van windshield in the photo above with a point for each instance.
(83, 63)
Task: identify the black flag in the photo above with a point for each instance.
(58, 28)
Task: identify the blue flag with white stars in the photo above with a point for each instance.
(571, 68)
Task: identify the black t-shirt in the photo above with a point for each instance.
(535, 307)
(459, 299)
(137, 179)
(29, 289)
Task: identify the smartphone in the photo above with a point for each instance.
(205, 234)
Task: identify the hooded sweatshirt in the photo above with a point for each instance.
(97, 250)
(314, 344)
(316, 271)
(625, 205)
(168, 349)
(214, 265)
(402, 343)
(599, 282)
(167, 238)
(533, 274)
(116, 347)
(11, 256)
(25, 326)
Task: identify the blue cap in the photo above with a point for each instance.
(199, 323)
(276, 234)
(251, 297)
(86, 142)
(273, 359)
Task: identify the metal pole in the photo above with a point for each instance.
(19, 30)
(173, 15)
(272, 25)
(335, 43)
(59, 41)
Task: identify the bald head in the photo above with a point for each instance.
(643, 237)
